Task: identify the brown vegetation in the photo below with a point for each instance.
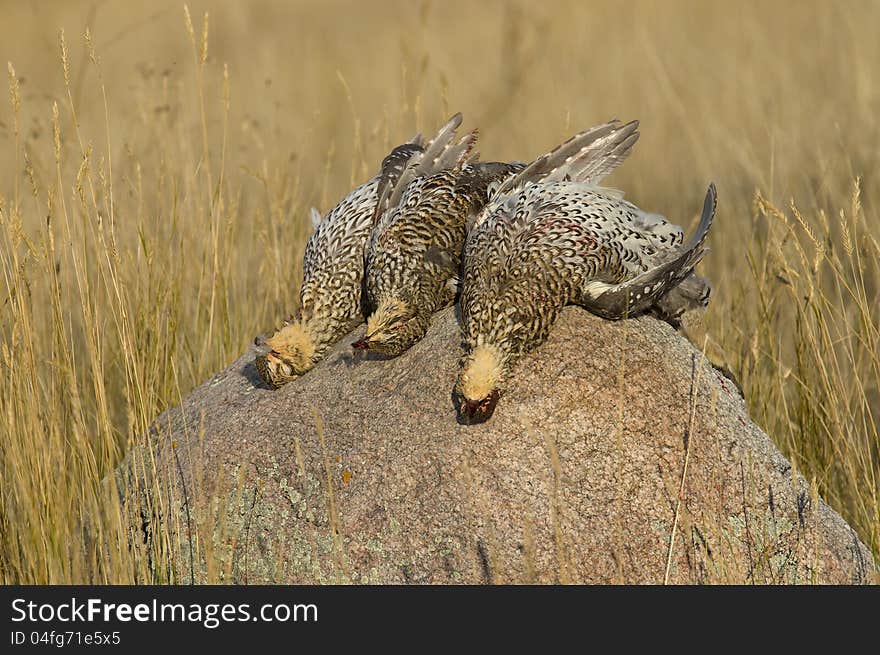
(156, 171)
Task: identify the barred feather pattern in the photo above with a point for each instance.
(414, 255)
(333, 265)
(541, 246)
(549, 244)
(330, 296)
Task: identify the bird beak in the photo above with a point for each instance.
(365, 343)
(473, 412)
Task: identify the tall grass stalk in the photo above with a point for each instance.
(153, 197)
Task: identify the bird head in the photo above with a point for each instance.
(478, 386)
(393, 328)
(285, 355)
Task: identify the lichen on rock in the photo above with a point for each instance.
(359, 472)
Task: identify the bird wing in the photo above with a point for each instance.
(615, 301)
(587, 157)
(393, 166)
(407, 162)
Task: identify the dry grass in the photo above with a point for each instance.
(155, 179)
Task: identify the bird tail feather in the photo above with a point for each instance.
(586, 157)
(411, 160)
(644, 291)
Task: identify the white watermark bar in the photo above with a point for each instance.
(209, 615)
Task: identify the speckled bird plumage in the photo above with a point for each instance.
(414, 255)
(550, 237)
(331, 302)
(330, 297)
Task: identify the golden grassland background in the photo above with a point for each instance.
(155, 177)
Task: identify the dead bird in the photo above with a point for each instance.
(331, 298)
(414, 254)
(551, 237)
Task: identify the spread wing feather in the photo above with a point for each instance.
(643, 291)
(393, 167)
(586, 157)
(412, 160)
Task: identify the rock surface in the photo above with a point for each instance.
(359, 472)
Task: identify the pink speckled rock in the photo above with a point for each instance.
(570, 481)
